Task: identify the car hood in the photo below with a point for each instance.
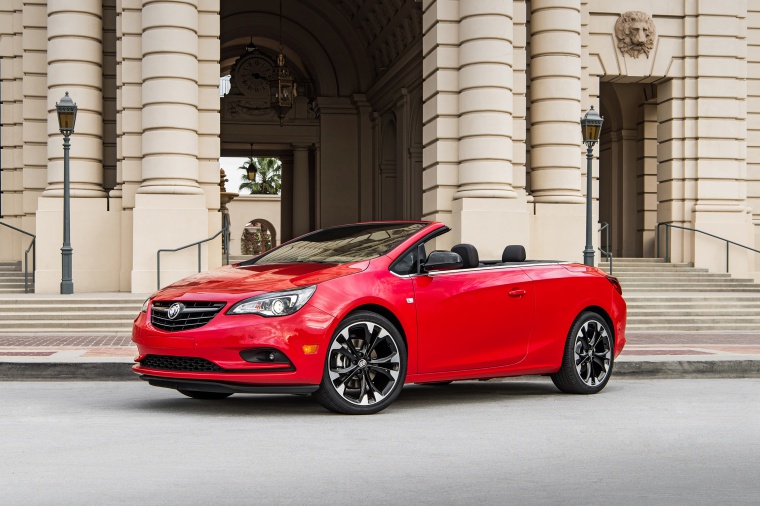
(237, 279)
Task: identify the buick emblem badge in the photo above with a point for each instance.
(174, 310)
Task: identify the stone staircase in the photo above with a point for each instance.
(678, 297)
(12, 278)
(94, 313)
(234, 259)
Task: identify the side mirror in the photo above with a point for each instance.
(442, 261)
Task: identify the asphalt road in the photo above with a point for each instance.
(518, 442)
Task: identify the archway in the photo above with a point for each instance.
(628, 167)
(352, 62)
(259, 235)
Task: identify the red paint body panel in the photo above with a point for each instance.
(463, 324)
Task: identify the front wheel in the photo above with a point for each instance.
(587, 360)
(365, 366)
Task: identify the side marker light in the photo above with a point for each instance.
(310, 349)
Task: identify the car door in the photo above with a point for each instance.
(472, 319)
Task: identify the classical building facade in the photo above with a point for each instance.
(462, 111)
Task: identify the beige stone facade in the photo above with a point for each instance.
(462, 111)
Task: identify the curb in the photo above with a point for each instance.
(66, 371)
(688, 369)
(121, 371)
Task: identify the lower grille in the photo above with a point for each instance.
(171, 363)
(184, 316)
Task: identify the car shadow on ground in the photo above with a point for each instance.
(412, 397)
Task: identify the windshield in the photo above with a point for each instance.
(339, 245)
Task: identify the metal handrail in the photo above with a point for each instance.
(668, 226)
(607, 253)
(225, 246)
(26, 255)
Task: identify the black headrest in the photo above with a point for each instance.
(513, 253)
(469, 255)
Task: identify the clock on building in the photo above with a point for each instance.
(251, 76)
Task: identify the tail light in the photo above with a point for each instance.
(615, 283)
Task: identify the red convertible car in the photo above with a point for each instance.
(351, 313)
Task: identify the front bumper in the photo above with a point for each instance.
(222, 340)
(226, 388)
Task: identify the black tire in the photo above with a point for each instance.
(588, 358)
(197, 394)
(365, 366)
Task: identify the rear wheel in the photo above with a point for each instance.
(588, 359)
(365, 366)
(197, 394)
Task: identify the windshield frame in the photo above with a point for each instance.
(379, 226)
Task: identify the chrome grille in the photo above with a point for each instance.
(191, 315)
(170, 363)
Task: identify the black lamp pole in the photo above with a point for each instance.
(591, 127)
(67, 113)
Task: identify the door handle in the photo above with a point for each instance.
(516, 292)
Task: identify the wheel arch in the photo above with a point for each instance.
(605, 315)
(386, 313)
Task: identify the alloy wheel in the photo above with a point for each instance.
(364, 363)
(592, 352)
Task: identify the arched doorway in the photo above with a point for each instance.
(352, 63)
(258, 236)
(628, 167)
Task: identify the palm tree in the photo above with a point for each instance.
(268, 178)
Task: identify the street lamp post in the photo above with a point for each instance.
(67, 115)
(591, 127)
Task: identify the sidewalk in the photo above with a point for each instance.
(109, 356)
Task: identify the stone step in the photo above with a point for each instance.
(70, 308)
(701, 306)
(636, 260)
(691, 327)
(635, 271)
(684, 280)
(690, 311)
(686, 276)
(124, 316)
(717, 290)
(68, 331)
(43, 299)
(49, 326)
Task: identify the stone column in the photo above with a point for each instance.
(209, 125)
(11, 208)
(301, 197)
(486, 211)
(440, 111)
(646, 179)
(555, 110)
(169, 192)
(35, 115)
(75, 64)
(75, 59)
(519, 96)
(170, 97)
(753, 123)
(716, 91)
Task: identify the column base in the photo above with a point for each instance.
(95, 241)
(490, 224)
(558, 232)
(168, 222)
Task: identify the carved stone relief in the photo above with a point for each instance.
(635, 33)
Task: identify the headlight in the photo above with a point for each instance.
(275, 303)
(144, 308)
